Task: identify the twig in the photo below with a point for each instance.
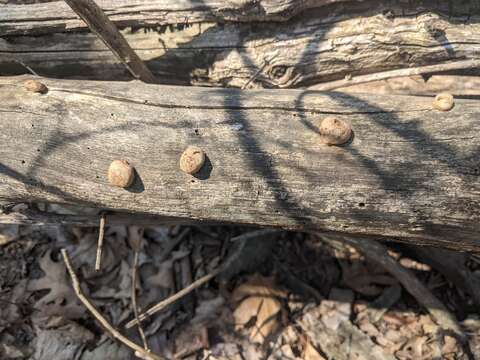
(139, 351)
(170, 300)
(172, 244)
(101, 235)
(420, 70)
(105, 29)
(452, 265)
(254, 234)
(197, 283)
(266, 62)
(378, 253)
(27, 67)
(136, 234)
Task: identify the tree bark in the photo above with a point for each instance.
(460, 86)
(410, 173)
(37, 18)
(323, 44)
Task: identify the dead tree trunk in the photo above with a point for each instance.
(411, 172)
(185, 42)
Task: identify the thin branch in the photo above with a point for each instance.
(378, 253)
(137, 241)
(242, 239)
(266, 62)
(170, 300)
(101, 235)
(139, 351)
(254, 234)
(105, 29)
(420, 70)
(27, 67)
(172, 244)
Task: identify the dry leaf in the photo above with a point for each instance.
(428, 326)
(11, 352)
(260, 303)
(257, 285)
(450, 345)
(108, 349)
(61, 299)
(337, 308)
(10, 311)
(310, 353)
(62, 343)
(365, 279)
(8, 233)
(83, 255)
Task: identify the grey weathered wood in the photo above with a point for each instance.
(411, 172)
(40, 218)
(462, 86)
(106, 30)
(321, 45)
(55, 16)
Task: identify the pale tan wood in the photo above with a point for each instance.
(321, 45)
(38, 18)
(458, 85)
(411, 172)
(105, 29)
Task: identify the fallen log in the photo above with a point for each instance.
(460, 86)
(411, 172)
(323, 44)
(37, 18)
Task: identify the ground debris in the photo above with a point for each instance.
(64, 342)
(258, 307)
(305, 299)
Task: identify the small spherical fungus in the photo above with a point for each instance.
(35, 86)
(192, 160)
(120, 174)
(443, 102)
(334, 131)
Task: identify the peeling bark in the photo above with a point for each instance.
(322, 45)
(39, 19)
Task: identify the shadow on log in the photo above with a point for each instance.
(326, 43)
(411, 172)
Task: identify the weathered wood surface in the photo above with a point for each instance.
(460, 86)
(411, 172)
(39, 218)
(107, 31)
(320, 45)
(38, 18)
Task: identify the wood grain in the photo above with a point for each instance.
(38, 18)
(411, 172)
(321, 45)
(105, 29)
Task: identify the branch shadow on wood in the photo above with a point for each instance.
(193, 59)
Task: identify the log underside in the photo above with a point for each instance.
(322, 44)
(410, 173)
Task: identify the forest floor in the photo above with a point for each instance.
(283, 296)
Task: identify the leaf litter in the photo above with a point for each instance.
(297, 298)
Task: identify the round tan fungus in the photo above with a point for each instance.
(35, 86)
(120, 173)
(192, 160)
(334, 131)
(444, 102)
